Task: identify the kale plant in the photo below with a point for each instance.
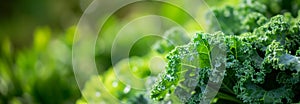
(262, 59)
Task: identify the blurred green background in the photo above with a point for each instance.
(35, 57)
(36, 45)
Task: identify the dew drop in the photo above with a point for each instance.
(98, 94)
(127, 89)
(115, 84)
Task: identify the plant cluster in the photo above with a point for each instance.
(258, 46)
